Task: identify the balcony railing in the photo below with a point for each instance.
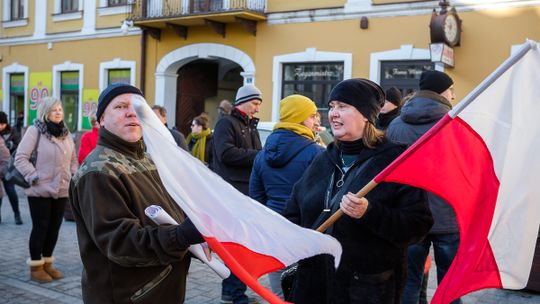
(157, 9)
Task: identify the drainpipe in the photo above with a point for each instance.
(142, 79)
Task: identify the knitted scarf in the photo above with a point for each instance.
(296, 128)
(50, 129)
(200, 144)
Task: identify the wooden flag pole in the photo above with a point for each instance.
(334, 217)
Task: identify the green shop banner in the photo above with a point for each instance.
(89, 107)
(39, 86)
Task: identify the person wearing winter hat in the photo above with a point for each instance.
(108, 196)
(374, 230)
(236, 143)
(423, 111)
(286, 155)
(391, 108)
(11, 141)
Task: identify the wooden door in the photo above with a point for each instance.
(196, 82)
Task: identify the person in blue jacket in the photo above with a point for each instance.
(288, 151)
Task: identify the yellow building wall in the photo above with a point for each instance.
(394, 1)
(19, 31)
(288, 5)
(61, 26)
(90, 53)
(110, 21)
(487, 38)
(236, 36)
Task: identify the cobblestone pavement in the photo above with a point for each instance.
(203, 285)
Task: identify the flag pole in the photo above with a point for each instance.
(363, 192)
(527, 46)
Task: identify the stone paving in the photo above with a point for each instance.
(203, 285)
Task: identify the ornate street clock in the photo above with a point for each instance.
(445, 26)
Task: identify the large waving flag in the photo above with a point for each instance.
(251, 239)
(482, 159)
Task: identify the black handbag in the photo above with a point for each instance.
(13, 175)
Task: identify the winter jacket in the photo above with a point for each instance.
(374, 246)
(385, 119)
(88, 143)
(236, 143)
(179, 138)
(208, 149)
(12, 139)
(423, 111)
(56, 163)
(4, 159)
(284, 158)
(127, 258)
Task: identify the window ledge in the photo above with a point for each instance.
(15, 23)
(67, 16)
(114, 10)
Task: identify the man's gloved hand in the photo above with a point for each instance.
(187, 234)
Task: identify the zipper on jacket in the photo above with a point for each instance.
(151, 285)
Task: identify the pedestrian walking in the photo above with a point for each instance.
(49, 178)
(126, 257)
(236, 143)
(420, 113)
(287, 153)
(89, 139)
(11, 141)
(375, 230)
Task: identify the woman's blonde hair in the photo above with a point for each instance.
(372, 136)
(45, 105)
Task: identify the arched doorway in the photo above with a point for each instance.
(232, 64)
(201, 85)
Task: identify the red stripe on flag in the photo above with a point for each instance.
(453, 161)
(247, 265)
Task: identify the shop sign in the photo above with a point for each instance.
(313, 71)
(89, 107)
(39, 85)
(440, 52)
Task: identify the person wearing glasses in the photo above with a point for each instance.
(200, 141)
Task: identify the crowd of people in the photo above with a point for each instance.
(386, 235)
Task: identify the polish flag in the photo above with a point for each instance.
(482, 158)
(251, 239)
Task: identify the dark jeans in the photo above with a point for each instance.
(236, 289)
(444, 247)
(46, 216)
(12, 195)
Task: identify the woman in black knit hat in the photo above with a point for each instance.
(375, 230)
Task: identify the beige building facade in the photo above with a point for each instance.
(189, 54)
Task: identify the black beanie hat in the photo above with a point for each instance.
(394, 96)
(3, 117)
(111, 92)
(365, 95)
(435, 81)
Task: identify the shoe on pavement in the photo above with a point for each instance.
(228, 300)
(18, 220)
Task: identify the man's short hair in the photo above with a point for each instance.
(162, 111)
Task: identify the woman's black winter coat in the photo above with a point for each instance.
(374, 246)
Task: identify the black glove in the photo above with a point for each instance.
(187, 234)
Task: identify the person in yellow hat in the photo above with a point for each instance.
(287, 153)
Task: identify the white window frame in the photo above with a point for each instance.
(68, 66)
(404, 53)
(105, 10)
(6, 18)
(310, 55)
(58, 16)
(14, 68)
(116, 63)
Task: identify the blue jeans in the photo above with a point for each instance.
(236, 289)
(444, 247)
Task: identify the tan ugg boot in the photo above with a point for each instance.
(49, 268)
(37, 273)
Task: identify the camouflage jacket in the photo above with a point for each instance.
(126, 257)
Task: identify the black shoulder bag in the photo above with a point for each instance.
(13, 175)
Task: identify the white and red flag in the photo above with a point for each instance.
(251, 239)
(482, 158)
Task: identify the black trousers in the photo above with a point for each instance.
(46, 216)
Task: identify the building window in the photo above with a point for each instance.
(403, 75)
(116, 2)
(17, 9)
(314, 80)
(69, 6)
(119, 76)
(69, 94)
(16, 100)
